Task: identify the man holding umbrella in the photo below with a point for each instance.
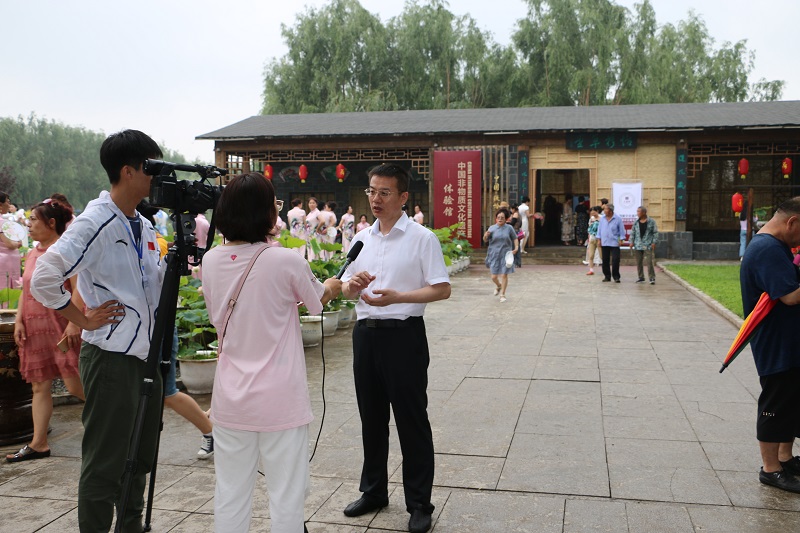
(767, 267)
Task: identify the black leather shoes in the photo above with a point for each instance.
(364, 505)
(781, 479)
(420, 521)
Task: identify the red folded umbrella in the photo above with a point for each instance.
(749, 327)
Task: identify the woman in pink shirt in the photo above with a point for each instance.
(362, 223)
(260, 407)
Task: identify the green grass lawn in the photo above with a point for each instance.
(721, 282)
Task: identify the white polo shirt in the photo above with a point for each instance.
(409, 257)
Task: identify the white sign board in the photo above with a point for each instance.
(626, 197)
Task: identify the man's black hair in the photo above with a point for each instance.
(390, 170)
(789, 207)
(126, 148)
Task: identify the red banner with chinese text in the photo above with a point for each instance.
(457, 192)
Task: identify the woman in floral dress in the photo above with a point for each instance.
(39, 332)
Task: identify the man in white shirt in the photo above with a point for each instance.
(525, 217)
(399, 270)
(114, 250)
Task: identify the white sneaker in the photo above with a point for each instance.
(502, 299)
(206, 447)
(496, 291)
(585, 262)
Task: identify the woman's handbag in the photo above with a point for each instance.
(232, 301)
(509, 259)
(520, 235)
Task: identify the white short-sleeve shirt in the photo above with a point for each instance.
(409, 257)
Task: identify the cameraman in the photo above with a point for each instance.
(114, 249)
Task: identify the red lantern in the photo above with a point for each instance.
(786, 168)
(737, 203)
(744, 167)
(268, 171)
(340, 172)
(303, 173)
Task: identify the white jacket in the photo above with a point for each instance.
(98, 246)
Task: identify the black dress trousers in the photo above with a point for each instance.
(390, 366)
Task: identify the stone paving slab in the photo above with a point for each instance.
(574, 406)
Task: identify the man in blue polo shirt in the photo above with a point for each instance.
(610, 234)
(767, 267)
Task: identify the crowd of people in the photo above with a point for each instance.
(322, 227)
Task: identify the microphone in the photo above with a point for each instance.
(351, 256)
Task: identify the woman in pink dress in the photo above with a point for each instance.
(10, 259)
(38, 331)
(347, 227)
(362, 223)
(312, 223)
(260, 407)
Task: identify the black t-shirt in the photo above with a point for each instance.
(642, 228)
(767, 267)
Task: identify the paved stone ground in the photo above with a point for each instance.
(575, 406)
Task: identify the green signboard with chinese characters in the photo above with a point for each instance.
(619, 140)
(681, 198)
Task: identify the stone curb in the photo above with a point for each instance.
(705, 298)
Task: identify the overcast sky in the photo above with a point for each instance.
(180, 68)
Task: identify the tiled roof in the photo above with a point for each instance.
(526, 119)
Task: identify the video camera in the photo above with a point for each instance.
(183, 196)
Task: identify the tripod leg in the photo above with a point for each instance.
(165, 370)
(166, 314)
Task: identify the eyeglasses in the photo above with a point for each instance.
(279, 204)
(375, 192)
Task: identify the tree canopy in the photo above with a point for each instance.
(41, 157)
(563, 53)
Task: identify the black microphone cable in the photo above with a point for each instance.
(322, 353)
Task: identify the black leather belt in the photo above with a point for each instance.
(377, 323)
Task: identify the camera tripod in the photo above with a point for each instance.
(177, 260)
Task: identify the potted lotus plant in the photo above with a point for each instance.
(197, 353)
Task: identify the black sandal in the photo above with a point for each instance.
(27, 453)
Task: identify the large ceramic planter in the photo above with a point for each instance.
(346, 317)
(198, 375)
(16, 421)
(330, 323)
(311, 331)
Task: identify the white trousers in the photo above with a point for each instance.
(284, 458)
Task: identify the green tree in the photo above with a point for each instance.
(338, 61)
(47, 157)
(563, 53)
